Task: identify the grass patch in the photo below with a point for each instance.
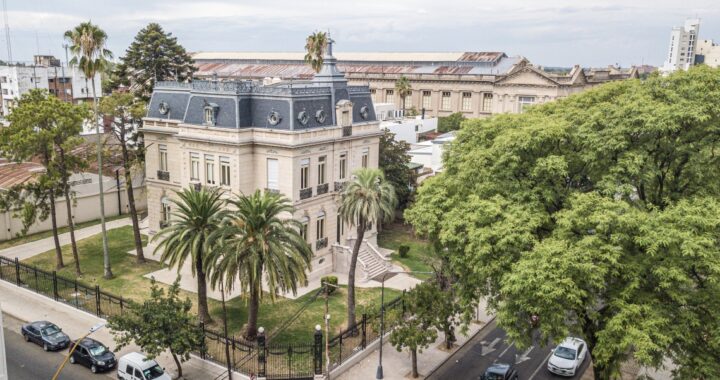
(272, 315)
(128, 281)
(46, 234)
(420, 255)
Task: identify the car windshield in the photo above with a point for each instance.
(153, 372)
(493, 376)
(50, 330)
(98, 350)
(565, 353)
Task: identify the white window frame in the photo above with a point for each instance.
(487, 102)
(210, 169)
(389, 96)
(445, 101)
(224, 171)
(365, 160)
(304, 173)
(466, 101)
(342, 163)
(321, 170)
(320, 227)
(524, 101)
(163, 157)
(427, 99)
(194, 166)
(273, 174)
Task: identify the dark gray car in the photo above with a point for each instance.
(94, 355)
(45, 334)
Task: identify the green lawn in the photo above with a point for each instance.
(130, 283)
(420, 255)
(274, 315)
(42, 235)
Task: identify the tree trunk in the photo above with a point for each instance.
(106, 255)
(203, 311)
(413, 355)
(68, 207)
(53, 217)
(253, 308)
(140, 256)
(351, 275)
(225, 330)
(177, 362)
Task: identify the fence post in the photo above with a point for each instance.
(17, 272)
(261, 352)
(2, 277)
(202, 328)
(37, 285)
(77, 305)
(97, 300)
(55, 285)
(364, 331)
(403, 302)
(340, 346)
(318, 350)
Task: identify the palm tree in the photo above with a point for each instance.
(87, 44)
(258, 240)
(404, 89)
(198, 215)
(315, 46)
(365, 200)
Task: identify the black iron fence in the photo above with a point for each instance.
(262, 358)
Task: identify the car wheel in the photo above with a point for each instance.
(45, 347)
(93, 369)
(72, 359)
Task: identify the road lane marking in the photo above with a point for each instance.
(524, 356)
(505, 350)
(488, 348)
(543, 363)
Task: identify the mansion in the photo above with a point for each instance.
(477, 84)
(302, 139)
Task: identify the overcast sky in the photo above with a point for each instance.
(548, 32)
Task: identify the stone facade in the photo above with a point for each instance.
(307, 163)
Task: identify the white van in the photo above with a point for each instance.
(135, 366)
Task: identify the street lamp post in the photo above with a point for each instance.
(379, 373)
(92, 330)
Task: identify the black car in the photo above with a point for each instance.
(500, 371)
(94, 355)
(45, 334)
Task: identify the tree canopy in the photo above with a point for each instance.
(153, 56)
(394, 161)
(452, 122)
(600, 213)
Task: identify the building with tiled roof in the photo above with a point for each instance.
(477, 84)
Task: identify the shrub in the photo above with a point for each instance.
(332, 280)
(403, 250)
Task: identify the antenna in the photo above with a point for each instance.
(7, 32)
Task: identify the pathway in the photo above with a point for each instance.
(34, 248)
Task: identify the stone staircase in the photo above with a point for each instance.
(371, 264)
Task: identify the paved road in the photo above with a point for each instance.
(28, 361)
(489, 346)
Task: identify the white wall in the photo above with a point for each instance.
(86, 207)
(408, 130)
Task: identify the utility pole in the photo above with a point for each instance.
(3, 357)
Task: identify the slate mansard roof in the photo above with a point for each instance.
(248, 104)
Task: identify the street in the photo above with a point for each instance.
(28, 361)
(488, 347)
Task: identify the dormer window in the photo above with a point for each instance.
(210, 114)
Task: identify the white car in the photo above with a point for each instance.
(136, 366)
(567, 357)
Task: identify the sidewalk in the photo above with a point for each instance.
(28, 306)
(28, 250)
(397, 365)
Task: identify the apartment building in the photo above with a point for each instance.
(681, 50)
(477, 84)
(301, 139)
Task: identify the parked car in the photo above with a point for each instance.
(136, 366)
(93, 354)
(567, 357)
(45, 334)
(500, 371)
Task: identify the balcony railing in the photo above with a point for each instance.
(339, 186)
(274, 191)
(347, 131)
(322, 189)
(322, 243)
(163, 175)
(197, 186)
(306, 193)
(164, 224)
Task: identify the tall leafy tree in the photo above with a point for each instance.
(198, 215)
(449, 123)
(125, 113)
(259, 240)
(394, 161)
(163, 322)
(599, 213)
(404, 89)
(153, 56)
(87, 45)
(315, 46)
(367, 199)
(45, 128)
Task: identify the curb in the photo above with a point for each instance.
(442, 363)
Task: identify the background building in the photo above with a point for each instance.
(477, 84)
(67, 83)
(707, 52)
(406, 128)
(302, 139)
(681, 52)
